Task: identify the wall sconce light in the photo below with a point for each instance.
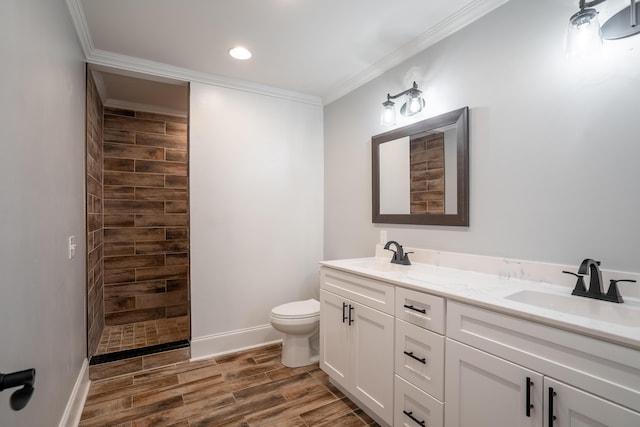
(584, 34)
(414, 104)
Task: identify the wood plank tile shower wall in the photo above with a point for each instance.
(146, 216)
(95, 231)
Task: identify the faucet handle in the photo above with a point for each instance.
(405, 258)
(580, 288)
(613, 294)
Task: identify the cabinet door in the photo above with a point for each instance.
(372, 359)
(575, 408)
(484, 390)
(334, 338)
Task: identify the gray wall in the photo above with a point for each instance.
(554, 144)
(256, 175)
(42, 316)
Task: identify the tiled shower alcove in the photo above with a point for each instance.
(137, 227)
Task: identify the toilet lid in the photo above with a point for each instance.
(298, 309)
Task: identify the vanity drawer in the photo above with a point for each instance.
(369, 292)
(419, 358)
(412, 406)
(606, 369)
(421, 309)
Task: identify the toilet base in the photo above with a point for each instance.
(297, 351)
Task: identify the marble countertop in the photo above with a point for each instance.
(545, 303)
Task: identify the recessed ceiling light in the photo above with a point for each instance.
(240, 53)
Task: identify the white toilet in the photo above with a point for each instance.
(299, 321)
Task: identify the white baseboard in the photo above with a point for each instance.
(75, 405)
(232, 341)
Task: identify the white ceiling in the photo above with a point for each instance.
(317, 49)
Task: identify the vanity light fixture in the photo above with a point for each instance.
(240, 53)
(414, 104)
(584, 34)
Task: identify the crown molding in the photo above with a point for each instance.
(129, 63)
(465, 16)
(445, 28)
(136, 75)
(80, 22)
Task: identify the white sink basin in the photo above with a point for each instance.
(625, 314)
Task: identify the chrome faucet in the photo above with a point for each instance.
(592, 268)
(399, 255)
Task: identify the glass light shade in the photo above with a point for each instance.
(388, 117)
(584, 37)
(414, 103)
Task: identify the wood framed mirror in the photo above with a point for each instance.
(420, 172)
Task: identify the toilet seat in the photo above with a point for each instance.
(297, 310)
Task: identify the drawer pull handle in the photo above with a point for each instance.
(350, 311)
(344, 315)
(414, 419)
(529, 406)
(410, 354)
(419, 310)
(552, 417)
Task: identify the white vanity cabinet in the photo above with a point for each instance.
(528, 373)
(415, 356)
(356, 338)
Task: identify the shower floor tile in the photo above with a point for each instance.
(143, 334)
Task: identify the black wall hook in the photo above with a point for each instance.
(25, 379)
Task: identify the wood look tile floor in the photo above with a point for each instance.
(246, 389)
(143, 334)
